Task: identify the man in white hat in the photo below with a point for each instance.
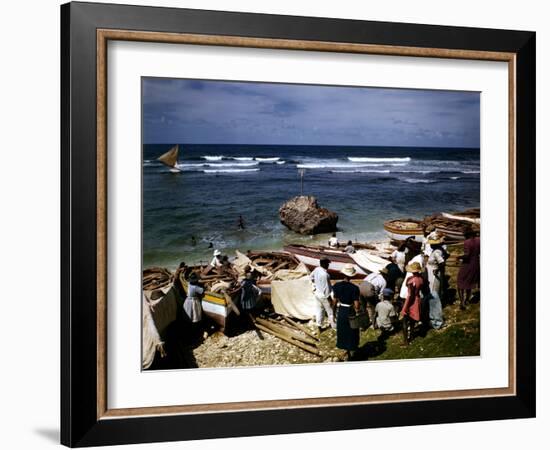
(217, 259)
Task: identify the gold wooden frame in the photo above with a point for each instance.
(104, 35)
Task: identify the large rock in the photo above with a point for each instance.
(303, 215)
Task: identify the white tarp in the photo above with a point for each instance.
(294, 298)
(150, 336)
(368, 261)
(157, 315)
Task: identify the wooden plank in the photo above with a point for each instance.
(286, 332)
(300, 327)
(298, 344)
(232, 305)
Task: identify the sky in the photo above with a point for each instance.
(228, 112)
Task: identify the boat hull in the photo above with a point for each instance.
(399, 234)
(311, 257)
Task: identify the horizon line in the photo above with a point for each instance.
(311, 145)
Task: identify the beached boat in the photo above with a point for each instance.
(311, 255)
(452, 225)
(401, 229)
(215, 305)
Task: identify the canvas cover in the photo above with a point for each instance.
(294, 298)
(368, 261)
(157, 315)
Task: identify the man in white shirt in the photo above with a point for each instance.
(216, 260)
(322, 290)
(333, 241)
(385, 314)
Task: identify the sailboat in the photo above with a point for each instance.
(170, 158)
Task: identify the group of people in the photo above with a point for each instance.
(409, 289)
(248, 299)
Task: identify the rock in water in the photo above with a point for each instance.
(303, 215)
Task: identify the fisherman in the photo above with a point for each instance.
(346, 297)
(411, 312)
(350, 249)
(250, 295)
(400, 255)
(193, 241)
(217, 259)
(384, 313)
(425, 247)
(322, 291)
(241, 223)
(436, 275)
(371, 290)
(333, 241)
(394, 279)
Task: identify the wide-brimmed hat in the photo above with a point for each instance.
(217, 252)
(349, 270)
(413, 267)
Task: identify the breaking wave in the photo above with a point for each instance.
(230, 170)
(371, 159)
(418, 180)
(212, 158)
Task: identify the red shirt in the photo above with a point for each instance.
(411, 307)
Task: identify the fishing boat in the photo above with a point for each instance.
(312, 255)
(401, 229)
(170, 159)
(452, 225)
(217, 306)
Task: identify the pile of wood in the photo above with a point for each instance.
(289, 331)
(209, 276)
(453, 229)
(156, 278)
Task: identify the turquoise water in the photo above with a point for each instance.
(365, 186)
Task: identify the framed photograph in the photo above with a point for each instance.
(278, 224)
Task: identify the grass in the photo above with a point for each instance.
(460, 337)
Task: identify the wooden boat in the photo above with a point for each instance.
(215, 305)
(401, 229)
(311, 256)
(452, 225)
(170, 158)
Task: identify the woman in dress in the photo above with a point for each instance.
(436, 277)
(192, 304)
(411, 311)
(346, 296)
(468, 275)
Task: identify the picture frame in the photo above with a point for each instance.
(86, 418)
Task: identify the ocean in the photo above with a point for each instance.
(183, 213)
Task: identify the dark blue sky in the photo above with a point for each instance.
(222, 112)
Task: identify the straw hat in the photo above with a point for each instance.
(349, 270)
(414, 267)
(435, 240)
(217, 252)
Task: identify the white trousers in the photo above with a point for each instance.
(323, 304)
